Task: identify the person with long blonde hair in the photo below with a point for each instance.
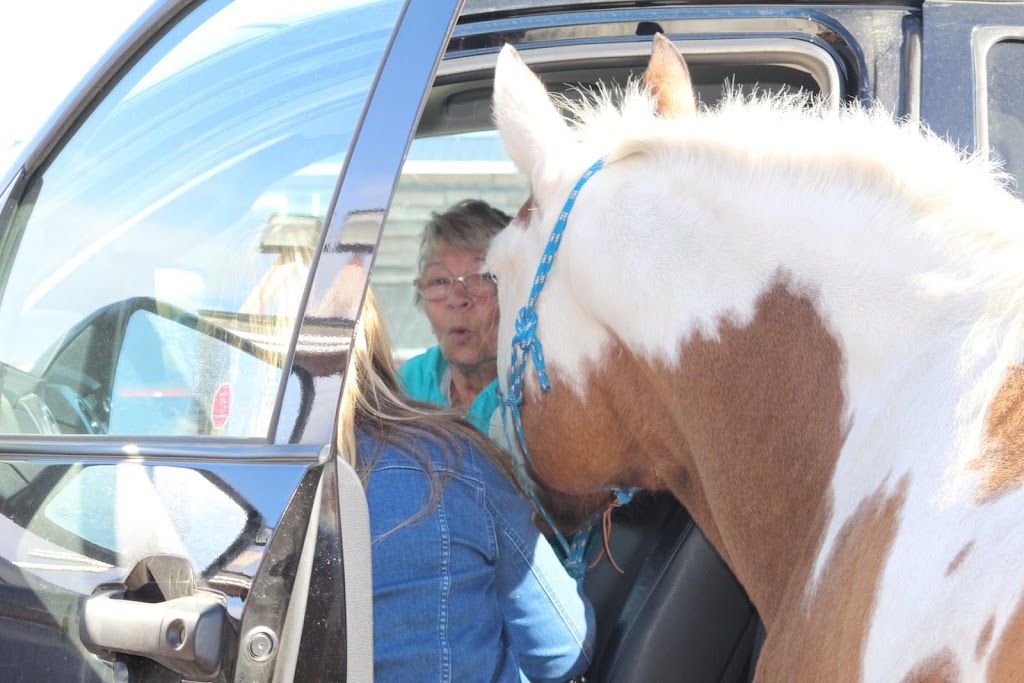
(465, 586)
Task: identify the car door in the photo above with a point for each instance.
(971, 89)
(183, 255)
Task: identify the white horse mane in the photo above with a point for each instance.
(789, 126)
(796, 135)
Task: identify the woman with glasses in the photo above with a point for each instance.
(461, 304)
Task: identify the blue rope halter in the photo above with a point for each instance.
(525, 344)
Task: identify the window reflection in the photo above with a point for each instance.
(171, 509)
(173, 186)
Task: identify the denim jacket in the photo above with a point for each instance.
(469, 590)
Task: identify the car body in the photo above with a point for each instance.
(184, 250)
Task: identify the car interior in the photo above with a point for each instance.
(675, 610)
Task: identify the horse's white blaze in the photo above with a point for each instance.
(918, 270)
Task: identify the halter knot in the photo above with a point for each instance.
(624, 495)
(526, 327)
(575, 561)
(525, 342)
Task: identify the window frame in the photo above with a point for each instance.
(955, 34)
(81, 104)
(983, 39)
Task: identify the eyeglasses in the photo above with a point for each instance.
(438, 286)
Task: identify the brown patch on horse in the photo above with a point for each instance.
(939, 668)
(523, 216)
(1007, 662)
(745, 430)
(668, 78)
(767, 485)
(984, 638)
(1002, 459)
(955, 563)
(822, 634)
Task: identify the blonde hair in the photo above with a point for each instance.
(373, 402)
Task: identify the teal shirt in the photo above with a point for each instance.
(426, 378)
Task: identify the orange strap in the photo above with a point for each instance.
(606, 532)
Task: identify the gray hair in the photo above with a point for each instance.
(468, 225)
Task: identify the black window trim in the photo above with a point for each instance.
(983, 39)
(803, 55)
(355, 217)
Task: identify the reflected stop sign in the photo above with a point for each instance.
(220, 411)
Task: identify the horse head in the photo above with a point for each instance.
(546, 150)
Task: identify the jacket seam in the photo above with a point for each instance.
(446, 581)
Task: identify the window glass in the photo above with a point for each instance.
(200, 182)
(172, 508)
(174, 379)
(1006, 107)
(440, 171)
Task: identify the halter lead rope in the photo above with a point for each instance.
(525, 344)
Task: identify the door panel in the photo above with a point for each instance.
(970, 85)
(67, 528)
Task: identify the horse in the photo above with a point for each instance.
(808, 326)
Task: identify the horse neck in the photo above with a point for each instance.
(746, 425)
(777, 321)
(749, 429)
(745, 430)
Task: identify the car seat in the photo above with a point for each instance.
(676, 613)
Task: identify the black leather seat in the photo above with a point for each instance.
(676, 613)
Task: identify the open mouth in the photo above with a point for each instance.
(460, 334)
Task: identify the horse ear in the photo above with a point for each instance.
(669, 80)
(531, 127)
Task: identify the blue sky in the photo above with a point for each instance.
(46, 47)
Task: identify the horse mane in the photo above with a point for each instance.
(860, 171)
(797, 137)
(797, 127)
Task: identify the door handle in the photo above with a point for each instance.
(183, 634)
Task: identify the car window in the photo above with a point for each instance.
(1005, 64)
(173, 505)
(151, 275)
(471, 163)
(439, 172)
